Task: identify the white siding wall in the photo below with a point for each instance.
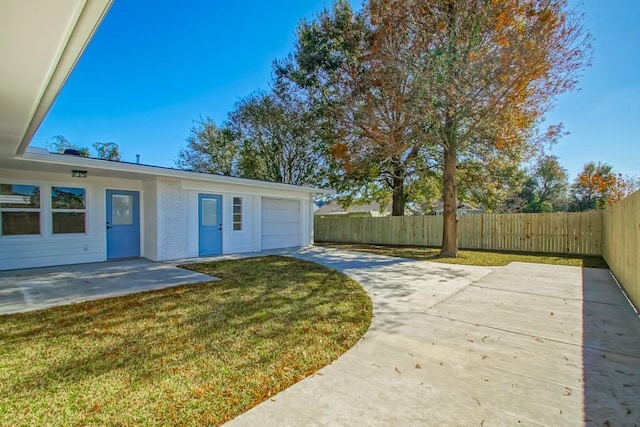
(172, 226)
(150, 230)
(256, 223)
(310, 209)
(191, 219)
(250, 238)
(168, 216)
(237, 241)
(49, 249)
(174, 235)
(233, 241)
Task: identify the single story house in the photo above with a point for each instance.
(463, 209)
(333, 209)
(61, 209)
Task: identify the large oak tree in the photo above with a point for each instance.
(488, 70)
(468, 81)
(362, 92)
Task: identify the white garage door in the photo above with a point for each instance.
(280, 223)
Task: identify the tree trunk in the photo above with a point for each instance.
(397, 205)
(450, 216)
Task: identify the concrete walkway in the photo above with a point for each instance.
(525, 344)
(37, 288)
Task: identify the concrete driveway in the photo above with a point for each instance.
(525, 344)
(37, 288)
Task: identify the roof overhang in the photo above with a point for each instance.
(40, 43)
(38, 160)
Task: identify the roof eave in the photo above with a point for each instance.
(88, 22)
(75, 161)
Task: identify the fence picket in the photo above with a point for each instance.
(574, 233)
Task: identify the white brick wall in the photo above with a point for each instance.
(172, 214)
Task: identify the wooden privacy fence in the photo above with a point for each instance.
(564, 232)
(614, 234)
(621, 243)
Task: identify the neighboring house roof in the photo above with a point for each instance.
(41, 44)
(438, 207)
(335, 208)
(414, 211)
(468, 207)
(39, 159)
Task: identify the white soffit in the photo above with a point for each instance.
(40, 43)
(39, 160)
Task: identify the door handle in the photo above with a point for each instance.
(109, 226)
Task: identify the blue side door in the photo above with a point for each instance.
(209, 224)
(123, 224)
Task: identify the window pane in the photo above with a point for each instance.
(15, 223)
(19, 196)
(237, 213)
(209, 212)
(68, 222)
(121, 209)
(67, 198)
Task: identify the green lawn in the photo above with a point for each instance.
(473, 257)
(191, 355)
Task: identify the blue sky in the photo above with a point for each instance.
(153, 67)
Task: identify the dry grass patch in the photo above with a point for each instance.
(191, 355)
(473, 257)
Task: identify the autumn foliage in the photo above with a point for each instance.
(410, 84)
(598, 187)
(488, 72)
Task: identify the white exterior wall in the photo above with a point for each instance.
(249, 239)
(174, 234)
(238, 241)
(311, 207)
(58, 249)
(233, 241)
(150, 229)
(172, 226)
(168, 219)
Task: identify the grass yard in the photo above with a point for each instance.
(473, 257)
(191, 355)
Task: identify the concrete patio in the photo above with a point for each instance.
(525, 344)
(37, 288)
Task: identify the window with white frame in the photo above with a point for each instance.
(19, 209)
(237, 213)
(68, 210)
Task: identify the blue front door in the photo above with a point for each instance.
(123, 224)
(209, 224)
